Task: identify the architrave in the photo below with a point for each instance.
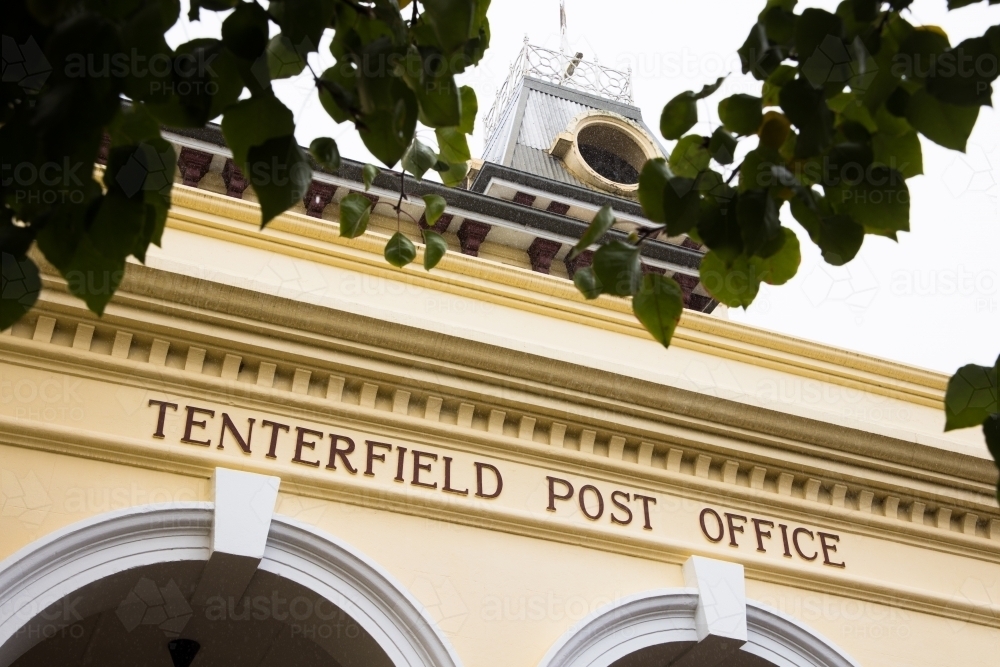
(668, 615)
(52, 567)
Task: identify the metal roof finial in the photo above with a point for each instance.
(563, 40)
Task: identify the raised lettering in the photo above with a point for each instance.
(615, 495)
(646, 500)
(553, 496)
(479, 480)
(372, 456)
(734, 529)
(795, 543)
(227, 423)
(191, 423)
(761, 534)
(447, 479)
(827, 548)
(704, 528)
(161, 418)
(272, 450)
(300, 442)
(583, 502)
(335, 452)
(418, 466)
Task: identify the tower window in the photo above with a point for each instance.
(611, 153)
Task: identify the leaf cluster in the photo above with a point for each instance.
(77, 72)
(971, 400)
(834, 133)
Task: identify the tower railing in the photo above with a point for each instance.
(563, 70)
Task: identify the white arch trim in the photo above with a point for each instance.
(664, 616)
(55, 566)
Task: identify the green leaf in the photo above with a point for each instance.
(971, 396)
(652, 180)
(355, 210)
(338, 92)
(733, 284)
(902, 153)
(279, 173)
(709, 89)
(945, 124)
(253, 121)
(324, 150)
(419, 158)
(400, 251)
(813, 28)
(741, 114)
(440, 101)
(452, 21)
(245, 31)
(782, 265)
(435, 248)
(757, 214)
(455, 174)
(806, 108)
(453, 145)
(757, 55)
(368, 174)
(737, 283)
(597, 228)
(586, 281)
(20, 288)
(772, 86)
(305, 20)
(618, 268)
(681, 205)
(284, 59)
(387, 130)
(690, 156)
(880, 201)
(669, 199)
(756, 172)
(434, 206)
(470, 107)
(718, 228)
(838, 236)
(679, 115)
(991, 431)
(722, 146)
(658, 305)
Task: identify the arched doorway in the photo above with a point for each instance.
(129, 576)
(708, 624)
(135, 617)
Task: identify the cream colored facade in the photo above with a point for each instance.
(490, 364)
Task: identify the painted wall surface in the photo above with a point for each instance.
(897, 561)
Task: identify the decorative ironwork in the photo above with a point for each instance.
(563, 70)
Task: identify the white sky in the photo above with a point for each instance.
(932, 300)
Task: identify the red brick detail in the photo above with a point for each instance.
(317, 197)
(102, 150)
(646, 268)
(687, 283)
(541, 252)
(697, 302)
(236, 183)
(558, 207)
(193, 165)
(584, 259)
(524, 199)
(471, 235)
(440, 226)
(688, 243)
